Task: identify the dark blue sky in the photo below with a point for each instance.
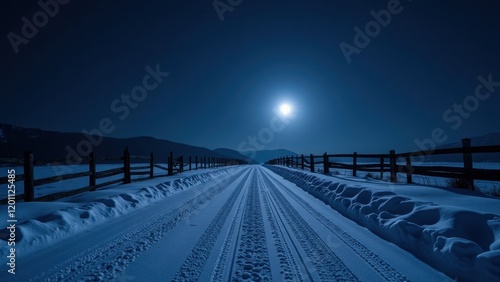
(227, 77)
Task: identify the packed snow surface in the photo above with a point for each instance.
(248, 223)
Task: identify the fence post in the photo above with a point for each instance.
(467, 156)
(29, 177)
(408, 170)
(151, 165)
(354, 164)
(196, 162)
(381, 168)
(181, 164)
(326, 163)
(302, 161)
(92, 171)
(171, 163)
(296, 161)
(394, 175)
(311, 158)
(126, 166)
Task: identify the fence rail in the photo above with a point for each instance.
(173, 167)
(467, 173)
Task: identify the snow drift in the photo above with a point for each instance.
(462, 243)
(96, 207)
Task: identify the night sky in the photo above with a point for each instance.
(232, 63)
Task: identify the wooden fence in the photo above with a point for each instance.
(388, 163)
(147, 171)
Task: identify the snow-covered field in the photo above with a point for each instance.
(455, 231)
(71, 184)
(44, 171)
(486, 187)
(248, 223)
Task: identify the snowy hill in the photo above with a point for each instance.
(51, 145)
(234, 154)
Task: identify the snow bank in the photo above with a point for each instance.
(88, 209)
(462, 243)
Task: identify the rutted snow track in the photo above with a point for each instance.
(373, 260)
(103, 262)
(249, 226)
(193, 265)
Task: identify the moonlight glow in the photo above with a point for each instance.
(285, 109)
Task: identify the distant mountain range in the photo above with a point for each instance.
(50, 145)
(256, 157)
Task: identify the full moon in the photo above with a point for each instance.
(285, 109)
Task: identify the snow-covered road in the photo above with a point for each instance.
(248, 224)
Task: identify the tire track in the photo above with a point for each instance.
(194, 263)
(326, 263)
(252, 257)
(220, 265)
(290, 269)
(112, 256)
(373, 260)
